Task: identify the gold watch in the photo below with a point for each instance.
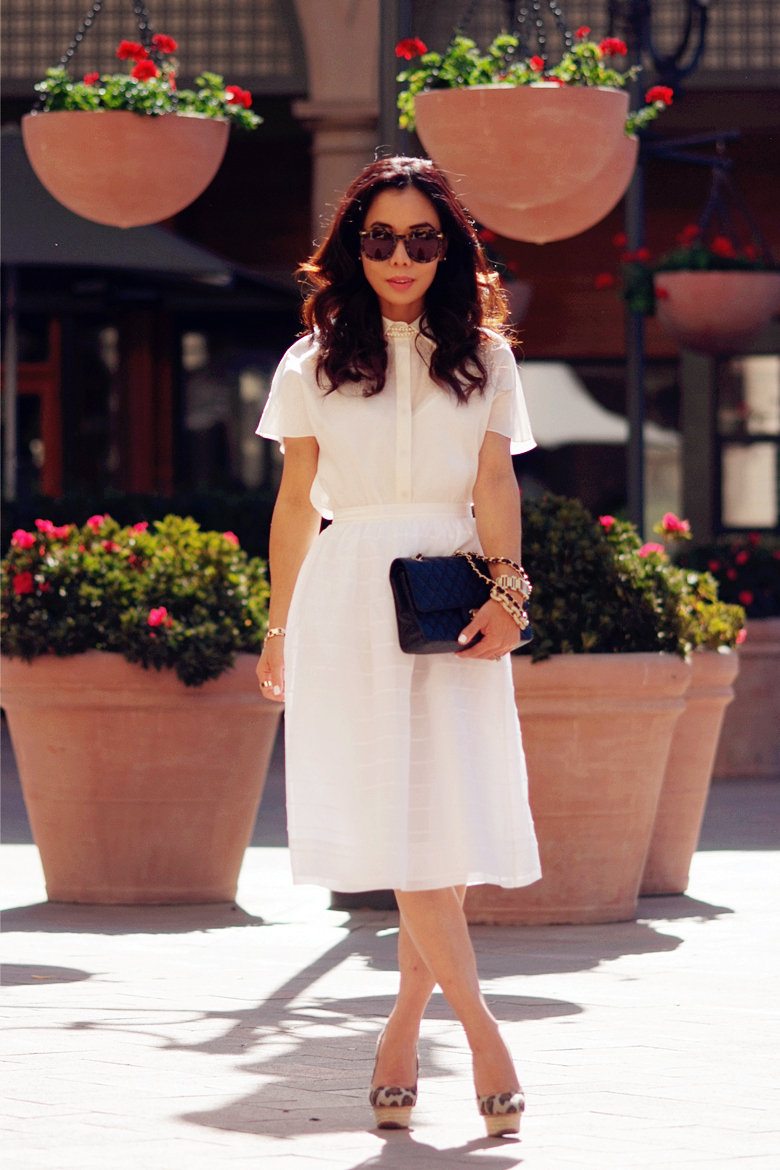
(513, 583)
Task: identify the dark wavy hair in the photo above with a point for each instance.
(464, 298)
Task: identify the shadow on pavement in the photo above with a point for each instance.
(71, 918)
(28, 974)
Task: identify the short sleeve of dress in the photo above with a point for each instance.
(508, 412)
(285, 412)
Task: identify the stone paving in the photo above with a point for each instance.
(213, 1037)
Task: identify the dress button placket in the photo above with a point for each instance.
(402, 336)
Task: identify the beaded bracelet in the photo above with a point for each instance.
(275, 632)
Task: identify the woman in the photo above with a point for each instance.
(397, 411)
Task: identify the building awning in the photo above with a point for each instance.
(562, 411)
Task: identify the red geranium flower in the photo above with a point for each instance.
(164, 43)
(641, 256)
(582, 32)
(742, 557)
(536, 63)
(131, 51)
(673, 525)
(722, 246)
(745, 597)
(91, 78)
(713, 566)
(604, 280)
(689, 233)
(660, 93)
(241, 97)
(620, 239)
(23, 539)
(410, 47)
(144, 71)
(613, 47)
(23, 583)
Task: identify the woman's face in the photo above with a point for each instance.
(399, 282)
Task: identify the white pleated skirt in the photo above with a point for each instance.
(403, 771)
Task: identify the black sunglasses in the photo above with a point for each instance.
(423, 245)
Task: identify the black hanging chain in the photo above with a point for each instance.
(144, 29)
(527, 21)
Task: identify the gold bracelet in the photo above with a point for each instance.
(275, 632)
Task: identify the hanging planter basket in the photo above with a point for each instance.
(121, 168)
(570, 216)
(530, 155)
(716, 312)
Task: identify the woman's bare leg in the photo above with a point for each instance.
(437, 927)
(397, 1063)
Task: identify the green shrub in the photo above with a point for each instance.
(167, 596)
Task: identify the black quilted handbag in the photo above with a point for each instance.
(434, 598)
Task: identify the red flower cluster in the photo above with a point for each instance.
(61, 532)
(96, 522)
(689, 233)
(651, 546)
(659, 93)
(144, 70)
(91, 78)
(131, 51)
(23, 583)
(22, 539)
(231, 538)
(536, 63)
(606, 522)
(613, 47)
(639, 256)
(164, 44)
(672, 525)
(159, 617)
(237, 95)
(722, 246)
(410, 47)
(583, 32)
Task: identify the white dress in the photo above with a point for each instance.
(403, 771)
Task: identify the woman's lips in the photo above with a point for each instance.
(401, 281)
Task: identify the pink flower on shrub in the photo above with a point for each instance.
(23, 583)
(158, 616)
(606, 522)
(141, 526)
(745, 597)
(741, 636)
(713, 566)
(651, 546)
(96, 522)
(44, 526)
(742, 557)
(672, 525)
(110, 546)
(23, 539)
(231, 538)
(61, 532)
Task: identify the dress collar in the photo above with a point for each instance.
(400, 328)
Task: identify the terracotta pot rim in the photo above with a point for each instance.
(130, 113)
(549, 85)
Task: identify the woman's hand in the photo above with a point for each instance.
(500, 633)
(270, 670)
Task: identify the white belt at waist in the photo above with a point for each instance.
(401, 512)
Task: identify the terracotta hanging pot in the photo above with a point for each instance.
(519, 148)
(138, 788)
(124, 169)
(716, 312)
(688, 773)
(571, 215)
(597, 729)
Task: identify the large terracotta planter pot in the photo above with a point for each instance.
(749, 745)
(569, 216)
(124, 169)
(597, 730)
(138, 788)
(688, 773)
(511, 149)
(716, 312)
